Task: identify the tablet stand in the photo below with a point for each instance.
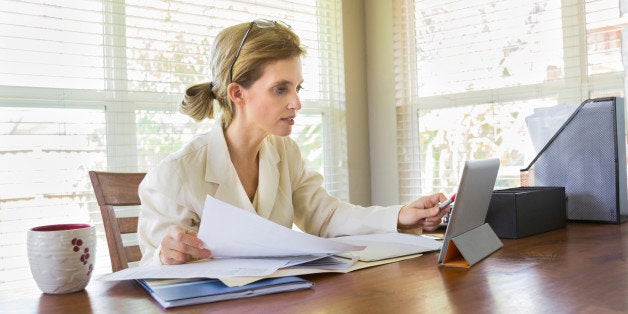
(470, 247)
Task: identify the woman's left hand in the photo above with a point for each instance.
(423, 213)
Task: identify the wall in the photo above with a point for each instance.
(356, 102)
(371, 121)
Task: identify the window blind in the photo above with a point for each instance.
(95, 85)
(470, 71)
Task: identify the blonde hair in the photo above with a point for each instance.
(262, 45)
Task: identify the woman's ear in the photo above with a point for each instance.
(234, 90)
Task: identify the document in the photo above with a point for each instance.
(250, 247)
(244, 244)
(380, 249)
(229, 231)
(209, 268)
(298, 271)
(388, 245)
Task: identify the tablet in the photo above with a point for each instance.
(472, 200)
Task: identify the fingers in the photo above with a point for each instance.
(439, 197)
(433, 222)
(412, 216)
(429, 200)
(184, 236)
(180, 246)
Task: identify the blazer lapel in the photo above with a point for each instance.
(268, 179)
(220, 171)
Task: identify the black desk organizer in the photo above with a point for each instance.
(520, 212)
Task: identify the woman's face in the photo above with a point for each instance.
(271, 103)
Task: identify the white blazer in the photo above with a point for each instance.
(174, 192)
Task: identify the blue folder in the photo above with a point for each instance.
(179, 292)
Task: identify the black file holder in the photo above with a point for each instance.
(587, 156)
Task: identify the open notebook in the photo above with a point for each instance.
(388, 245)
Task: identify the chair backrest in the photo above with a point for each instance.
(115, 190)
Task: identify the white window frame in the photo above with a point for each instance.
(576, 86)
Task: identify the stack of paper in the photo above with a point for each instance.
(253, 248)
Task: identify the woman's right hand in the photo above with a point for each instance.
(181, 246)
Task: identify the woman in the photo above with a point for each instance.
(248, 159)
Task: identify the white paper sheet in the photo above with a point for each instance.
(229, 231)
(228, 267)
(295, 271)
(211, 268)
(388, 245)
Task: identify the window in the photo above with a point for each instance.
(472, 70)
(95, 84)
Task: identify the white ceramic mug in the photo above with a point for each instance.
(62, 256)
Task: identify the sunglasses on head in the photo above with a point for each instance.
(261, 23)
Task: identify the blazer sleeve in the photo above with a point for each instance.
(161, 208)
(319, 213)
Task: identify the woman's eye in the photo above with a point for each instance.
(280, 90)
(299, 88)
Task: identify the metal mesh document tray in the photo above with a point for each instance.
(587, 156)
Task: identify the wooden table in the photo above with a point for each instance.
(580, 269)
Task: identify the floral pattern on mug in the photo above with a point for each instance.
(77, 243)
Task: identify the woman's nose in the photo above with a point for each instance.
(295, 103)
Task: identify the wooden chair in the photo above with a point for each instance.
(115, 190)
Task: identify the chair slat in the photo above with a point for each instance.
(127, 224)
(119, 188)
(133, 253)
